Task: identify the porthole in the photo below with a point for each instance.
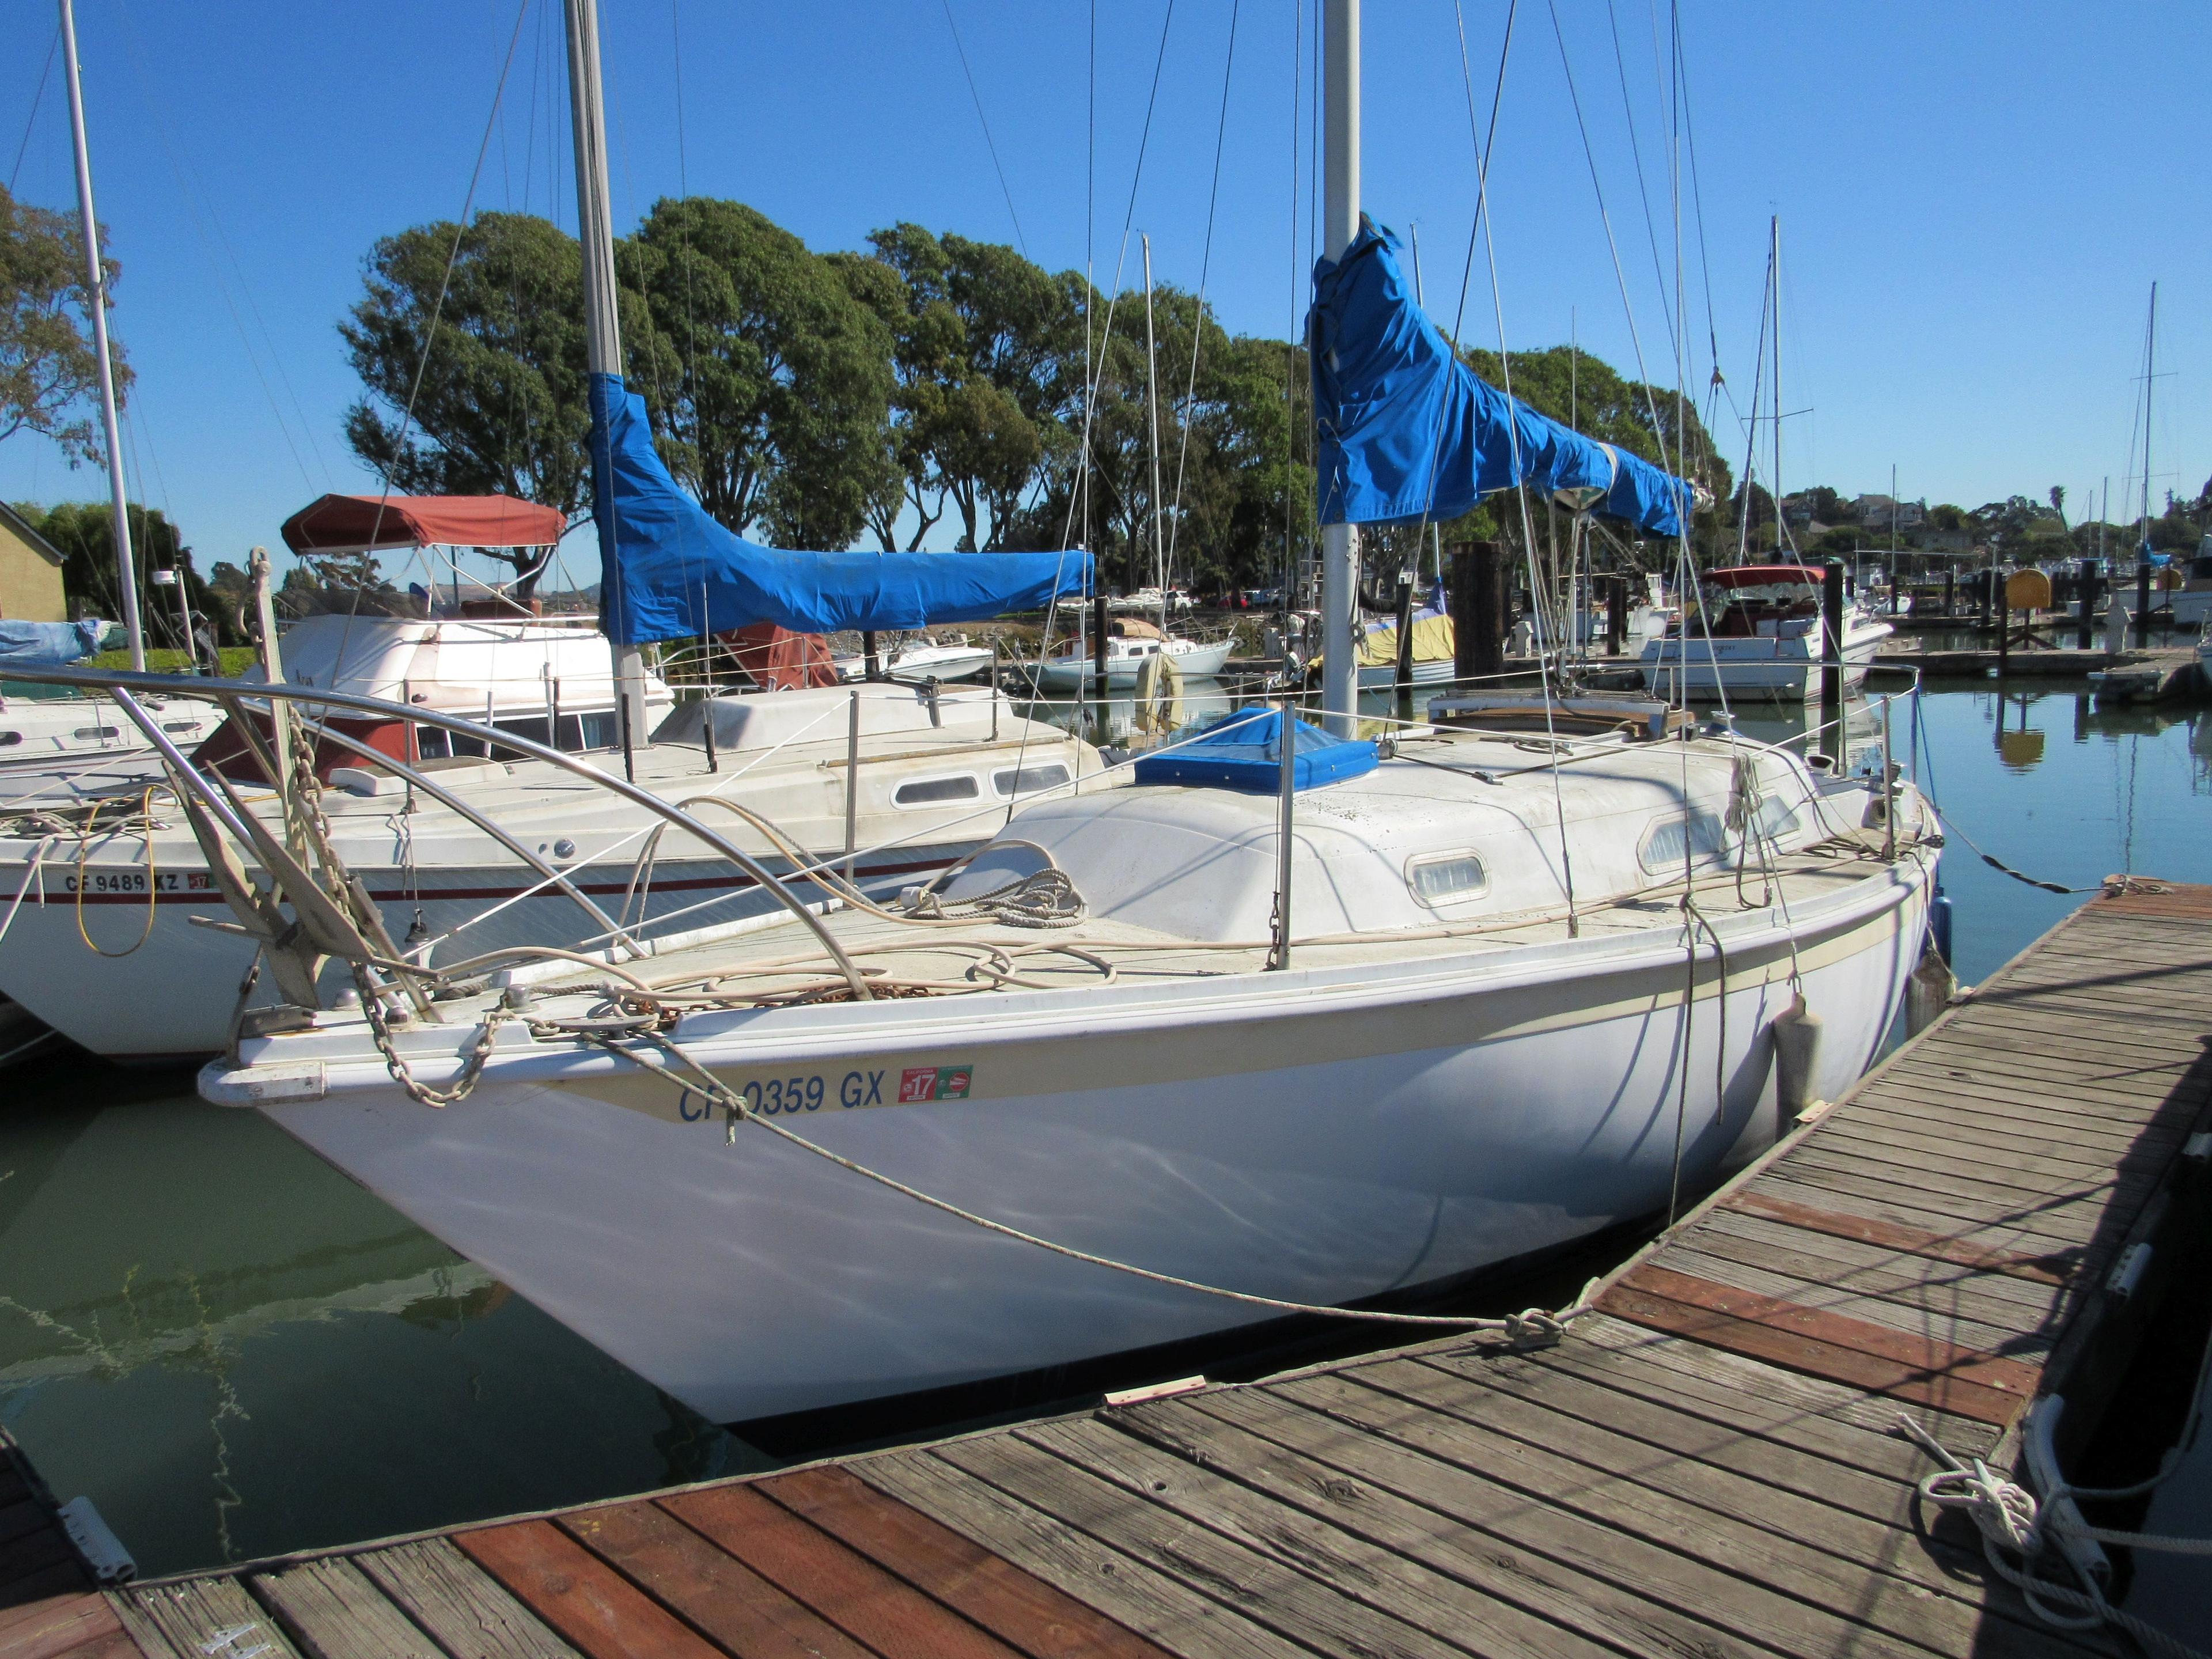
(1701, 833)
(935, 792)
(1027, 780)
(1444, 879)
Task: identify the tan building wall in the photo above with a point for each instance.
(30, 574)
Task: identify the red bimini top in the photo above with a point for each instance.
(365, 523)
(1764, 576)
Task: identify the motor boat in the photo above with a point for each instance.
(1130, 642)
(1499, 996)
(925, 659)
(1756, 634)
(2186, 606)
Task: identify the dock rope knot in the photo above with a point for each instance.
(2012, 1522)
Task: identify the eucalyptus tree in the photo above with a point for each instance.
(985, 376)
(48, 367)
(768, 381)
(475, 377)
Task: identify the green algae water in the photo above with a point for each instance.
(235, 1351)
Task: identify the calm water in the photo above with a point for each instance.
(235, 1351)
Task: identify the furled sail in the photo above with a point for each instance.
(676, 574)
(49, 645)
(1408, 432)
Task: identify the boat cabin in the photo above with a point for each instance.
(1744, 600)
(547, 682)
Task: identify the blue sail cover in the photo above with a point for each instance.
(669, 572)
(48, 645)
(1409, 432)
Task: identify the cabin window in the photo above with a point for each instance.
(578, 732)
(934, 792)
(1027, 780)
(1662, 852)
(180, 726)
(9, 739)
(98, 733)
(1777, 817)
(1447, 878)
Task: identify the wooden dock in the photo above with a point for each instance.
(1707, 1465)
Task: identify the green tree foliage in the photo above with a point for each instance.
(49, 372)
(501, 407)
(984, 357)
(768, 381)
(83, 532)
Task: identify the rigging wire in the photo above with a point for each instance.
(984, 121)
(1636, 153)
(1198, 321)
(31, 124)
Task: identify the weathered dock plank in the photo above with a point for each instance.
(1706, 1464)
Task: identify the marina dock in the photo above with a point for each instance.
(1707, 1463)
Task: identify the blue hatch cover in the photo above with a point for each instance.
(1244, 751)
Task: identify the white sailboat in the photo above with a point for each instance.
(1286, 1022)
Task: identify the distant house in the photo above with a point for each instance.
(1876, 511)
(30, 573)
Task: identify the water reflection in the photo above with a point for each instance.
(235, 1351)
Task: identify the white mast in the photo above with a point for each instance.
(1340, 225)
(1152, 407)
(126, 576)
(2150, 383)
(602, 336)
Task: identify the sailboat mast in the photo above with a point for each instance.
(127, 575)
(2150, 384)
(1774, 269)
(1339, 543)
(602, 332)
(1152, 406)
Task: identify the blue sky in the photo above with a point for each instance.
(1974, 200)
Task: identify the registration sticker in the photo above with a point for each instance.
(809, 1091)
(921, 1082)
(135, 881)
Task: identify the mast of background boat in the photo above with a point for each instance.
(1340, 225)
(2150, 384)
(602, 334)
(1152, 407)
(1435, 530)
(1774, 266)
(126, 575)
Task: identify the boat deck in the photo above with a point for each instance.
(1709, 1464)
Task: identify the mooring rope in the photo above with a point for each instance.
(1532, 1328)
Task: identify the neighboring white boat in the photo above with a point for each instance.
(931, 770)
(1071, 667)
(2187, 607)
(925, 659)
(63, 735)
(1460, 1066)
(1758, 636)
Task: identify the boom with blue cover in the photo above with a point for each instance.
(669, 572)
(49, 645)
(1409, 432)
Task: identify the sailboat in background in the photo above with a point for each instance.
(62, 740)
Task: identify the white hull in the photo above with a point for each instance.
(1068, 674)
(174, 996)
(2189, 607)
(157, 982)
(1327, 1136)
(927, 663)
(1760, 665)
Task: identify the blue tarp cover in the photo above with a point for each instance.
(1245, 751)
(48, 645)
(663, 560)
(1409, 431)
